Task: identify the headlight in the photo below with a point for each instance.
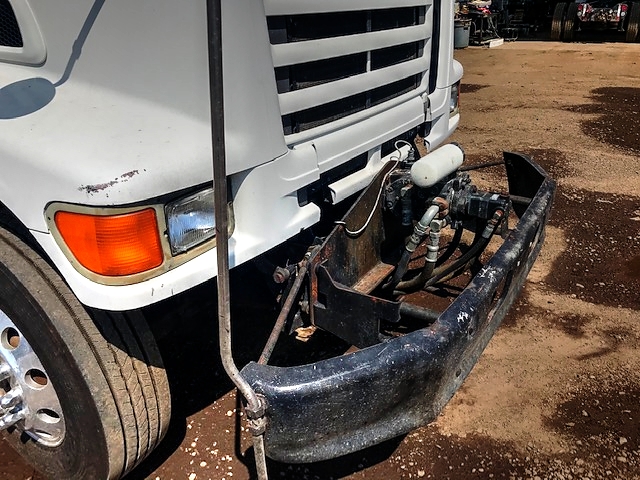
(190, 221)
(454, 101)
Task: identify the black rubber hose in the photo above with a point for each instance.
(440, 273)
(473, 252)
(401, 269)
(419, 232)
(419, 280)
(451, 248)
(468, 168)
(427, 271)
(476, 249)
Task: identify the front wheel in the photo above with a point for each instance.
(80, 397)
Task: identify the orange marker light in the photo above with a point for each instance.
(113, 245)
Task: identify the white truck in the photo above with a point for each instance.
(114, 117)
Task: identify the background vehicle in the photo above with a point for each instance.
(107, 110)
(568, 18)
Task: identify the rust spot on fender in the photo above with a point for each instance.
(99, 187)
(130, 174)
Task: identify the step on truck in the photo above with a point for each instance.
(147, 147)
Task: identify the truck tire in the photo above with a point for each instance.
(633, 25)
(558, 21)
(570, 21)
(95, 389)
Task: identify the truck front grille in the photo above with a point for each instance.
(330, 65)
(299, 28)
(10, 35)
(330, 112)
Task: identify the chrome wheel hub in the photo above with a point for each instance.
(28, 400)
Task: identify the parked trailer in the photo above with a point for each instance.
(572, 17)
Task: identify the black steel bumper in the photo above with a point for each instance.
(338, 406)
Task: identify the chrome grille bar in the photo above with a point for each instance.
(336, 58)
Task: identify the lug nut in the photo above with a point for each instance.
(11, 398)
(5, 371)
(11, 418)
(281, 275)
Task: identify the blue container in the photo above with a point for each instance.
(461, 33)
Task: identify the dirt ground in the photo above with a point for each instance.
(555, 395)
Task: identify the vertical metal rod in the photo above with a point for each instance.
(216, 97)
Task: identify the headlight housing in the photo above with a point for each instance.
(122, 245)
(190, 221)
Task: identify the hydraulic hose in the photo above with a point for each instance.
(451, 248)
(476, 249)
(417, 281)
(439, 274)
(416, 237)
(430, 259)
(429, 267)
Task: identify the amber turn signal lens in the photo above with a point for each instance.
(114, 245)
